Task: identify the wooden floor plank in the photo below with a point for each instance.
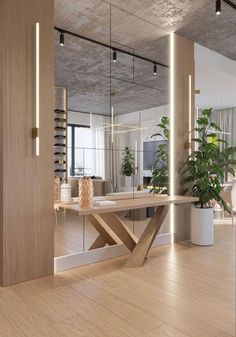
(182, 291)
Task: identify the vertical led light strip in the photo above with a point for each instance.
(37, 106)
(195, 132)
(190, 113)
(136, 156)
(172, 130)
(112, 124)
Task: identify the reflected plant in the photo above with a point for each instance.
(127, 166)
(160, 176)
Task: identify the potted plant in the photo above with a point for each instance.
(127, 167)
(160, 171)
(203, 174)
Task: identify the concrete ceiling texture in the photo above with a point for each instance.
(95, 84)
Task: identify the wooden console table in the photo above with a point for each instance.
(112, 229)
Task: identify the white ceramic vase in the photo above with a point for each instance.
(65, 192)
(202, 226)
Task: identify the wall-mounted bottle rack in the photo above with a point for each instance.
(60, 134)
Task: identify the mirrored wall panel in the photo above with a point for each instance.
(116, 73)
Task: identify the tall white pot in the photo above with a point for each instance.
(127, 184)
(202, 226)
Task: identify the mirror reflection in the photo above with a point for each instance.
(115, 130)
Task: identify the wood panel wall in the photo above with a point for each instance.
(184, 66)
(26, 181)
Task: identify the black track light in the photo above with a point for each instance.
(155, 69)
(114, 56)
(61, 39)
(218, 7)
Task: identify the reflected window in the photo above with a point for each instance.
(84, 156)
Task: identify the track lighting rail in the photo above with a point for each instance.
(218, 5)
(230, 3)
(64, 31)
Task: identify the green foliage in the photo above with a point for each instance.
(160, 176)
(127, 166)
(204, 170)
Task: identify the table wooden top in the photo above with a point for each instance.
(127, 204)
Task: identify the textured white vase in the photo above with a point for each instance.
(202, 226)
(65, 192)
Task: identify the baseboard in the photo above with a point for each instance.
(80, 259)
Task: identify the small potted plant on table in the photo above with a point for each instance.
(203, 174)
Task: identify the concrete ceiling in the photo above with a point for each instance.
(139, 26)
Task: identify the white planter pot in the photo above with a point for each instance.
(202, 226)
(127, 184)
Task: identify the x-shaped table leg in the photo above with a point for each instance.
(145, 242)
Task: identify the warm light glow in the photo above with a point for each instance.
(136, 156)
(190, 113)
(37, 106)
(172, 131)
(195, 132)
(112, 124)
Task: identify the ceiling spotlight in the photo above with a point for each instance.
(218, 7)
(114, 56)
(155, 69)
(61, 39)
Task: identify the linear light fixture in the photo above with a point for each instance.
(190, 113)
(172, 131)
(112, 125)
(130, 130)
(35, 130)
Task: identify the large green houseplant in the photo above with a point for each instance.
(160, 175)
(203, 173)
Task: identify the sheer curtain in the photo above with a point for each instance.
(100, 140)
(226, 119)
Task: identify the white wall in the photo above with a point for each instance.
(78, 118)
(215, 77)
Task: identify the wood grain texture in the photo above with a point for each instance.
(107, 300)
(128, 204)
(184, 66)
(120, 228)
(27, 224)
(145, 242)
(105, 232)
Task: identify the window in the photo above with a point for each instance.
(85, 157)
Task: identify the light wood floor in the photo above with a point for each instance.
(182, 291)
